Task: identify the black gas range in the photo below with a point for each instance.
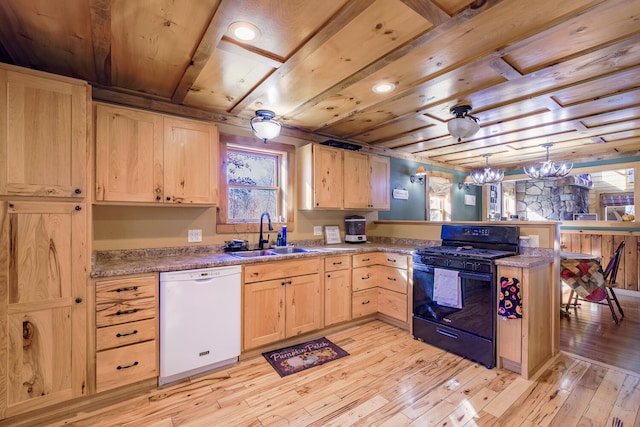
(464, 266)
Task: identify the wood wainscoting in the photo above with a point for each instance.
(603, 244)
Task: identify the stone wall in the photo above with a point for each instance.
(550, 200)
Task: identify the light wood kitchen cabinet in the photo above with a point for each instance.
(320, 177)
(281, 300)
(43, 134)
(386, 275)
(148, 157)
(337, 289)
(357, 179)
(526, 344)
(126, 330)
(366, 181)
(43, 312)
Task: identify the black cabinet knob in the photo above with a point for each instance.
(158, 198)
(78, 208)
(168, 198)
(78, 300)
(77, 191)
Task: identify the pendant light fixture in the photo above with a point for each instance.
(263, 125)
(548, 169)
(486, 175)
(462, 125)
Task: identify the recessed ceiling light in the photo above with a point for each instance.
(244, 31)
(383, 87)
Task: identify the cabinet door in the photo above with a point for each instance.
(43, 281)
(304, 304)
(128, 155)
(43, 136)
(264, 313)
(380, 190)
(327, 177)
(190, 162)
(337, 296)
(356, 180)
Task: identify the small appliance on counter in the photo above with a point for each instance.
(355, 229)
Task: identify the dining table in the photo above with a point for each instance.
(583, 273)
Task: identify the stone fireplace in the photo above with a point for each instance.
(555, 200)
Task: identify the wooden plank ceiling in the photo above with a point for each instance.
(566, 73)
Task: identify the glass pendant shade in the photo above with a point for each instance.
(263, 125)
(548, 169)
(463, 125)
(486, 175)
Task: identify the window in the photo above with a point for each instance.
(439, 196)
(255, 178)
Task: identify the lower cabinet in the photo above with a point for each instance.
(526, 344)
(126, 330)
(337, 289)
(281, 300)
(380, 285)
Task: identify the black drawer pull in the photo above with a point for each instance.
(367, 277)
(286, 282)
(119, 335)
(131, 288)
(337, 263)
(392, 278)
(391, 260)
(119, 313)
(136, 363)
(366, 259)
(365, 302)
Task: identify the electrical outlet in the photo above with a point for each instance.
(317, 230)
(194, 236)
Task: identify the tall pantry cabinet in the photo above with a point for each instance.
(43, 239)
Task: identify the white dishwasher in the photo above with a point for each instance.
(199, 321)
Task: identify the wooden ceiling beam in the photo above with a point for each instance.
(215, 30)
(429, 11)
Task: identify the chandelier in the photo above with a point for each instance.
(548, 169)
(463, 125)
(486, 175)
(263, 125)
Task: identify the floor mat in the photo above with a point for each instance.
(290, 360)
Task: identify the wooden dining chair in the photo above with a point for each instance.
(610, 274)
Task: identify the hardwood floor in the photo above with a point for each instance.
(389, 379)
(590, 332)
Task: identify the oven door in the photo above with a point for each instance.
(478, 301)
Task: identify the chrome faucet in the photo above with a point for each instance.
(262, 241)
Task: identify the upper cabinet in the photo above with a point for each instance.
(148, 157)
(43, 134)
(332, 178)
(320, 177)
(366, 181)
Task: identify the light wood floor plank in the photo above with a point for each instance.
(389, 379)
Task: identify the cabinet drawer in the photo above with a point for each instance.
(363, 260)
(392, 278)
(363, 278)
(364, 303)
(125, 334)
(333, 263)
(121, 289)
(393, 260)
(281, 269)
(125, 365)
(125, 311)
(393, 304)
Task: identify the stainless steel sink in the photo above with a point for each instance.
(289, 250)
(269, 252)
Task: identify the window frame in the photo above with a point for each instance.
(285, 194)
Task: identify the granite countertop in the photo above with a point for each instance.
(124, 262)
(118, 263)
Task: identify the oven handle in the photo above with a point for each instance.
(462, 274)
(446, 334)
